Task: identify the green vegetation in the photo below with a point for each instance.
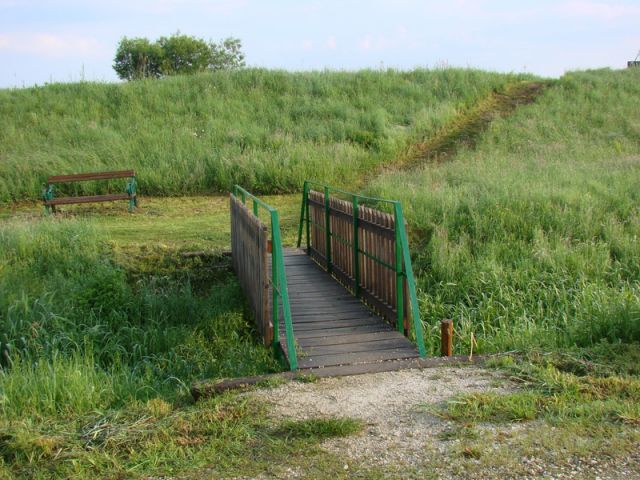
(138, 58)
(98, 356)
(527, 236)
(531, 239)
(578, 407)
(267, 130)
(596, 385)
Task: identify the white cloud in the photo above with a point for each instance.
(598, 10)
(332, 43)
(307, 45)
(401, 38)
(51, 45)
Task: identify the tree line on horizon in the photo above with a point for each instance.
(138, 58)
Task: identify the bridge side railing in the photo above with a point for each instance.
(249, 245)
(365, 250)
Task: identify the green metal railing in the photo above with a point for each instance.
(403, 267)
(278, 276)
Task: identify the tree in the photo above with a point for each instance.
(175, 55)
(137, 58)
(226, 55)
(184, 55)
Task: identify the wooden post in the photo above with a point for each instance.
(446, 338)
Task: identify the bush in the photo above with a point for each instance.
(138, 58)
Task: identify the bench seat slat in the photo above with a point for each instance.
(88, 199)
(92, 176)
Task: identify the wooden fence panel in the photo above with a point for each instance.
(377, 256)
(249, 250)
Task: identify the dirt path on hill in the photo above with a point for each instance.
(465, 129)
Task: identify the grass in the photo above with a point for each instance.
(98, 355)
(595, 386)
(267, 130)
(577, 412)
(530, 239)
(527, 237)
(196, 223)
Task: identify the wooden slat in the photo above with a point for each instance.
(81, 177)
(88, 199)
(249, 255)
(354, 358)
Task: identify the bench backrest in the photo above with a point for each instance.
(91, 176)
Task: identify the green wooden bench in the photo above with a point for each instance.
(129, 194)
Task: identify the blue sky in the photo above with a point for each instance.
(67, 40)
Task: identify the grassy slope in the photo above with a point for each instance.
(531, 239)
(268, 130)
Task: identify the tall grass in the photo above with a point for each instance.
(268, 130)
(532, 239)
(78, 334)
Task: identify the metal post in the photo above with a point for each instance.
(327, 228)
(356, 248)
(284, 293)
(399, 276)
(406, 257)
(255, 207)
(302, 213)
(274, 293)
(306, 212)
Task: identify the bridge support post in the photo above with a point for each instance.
(327, 227)
(356, 249)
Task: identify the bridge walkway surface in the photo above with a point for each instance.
(332, 327)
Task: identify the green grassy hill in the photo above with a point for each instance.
(526, 233)
(268, 130)
(532, 237)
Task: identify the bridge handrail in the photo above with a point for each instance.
(278, 275)
(403, 256)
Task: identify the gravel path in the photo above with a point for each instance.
(400, 429)
(392, 405)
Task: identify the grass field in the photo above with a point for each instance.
(527, 238)
(268, 130)
(531, 239)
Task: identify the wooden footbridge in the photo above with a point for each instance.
(347, 298)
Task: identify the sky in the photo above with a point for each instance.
(71, 40)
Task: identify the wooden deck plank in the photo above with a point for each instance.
(354, 358)
(331, 327)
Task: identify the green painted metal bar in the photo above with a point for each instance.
(308, 229)
(399, 275)
(356, 248)
(305, 192)
(132, 186)
(255, 208)
(411, 284)
(344, 192)
(279, 287)
(284, 293)
(48, 194)
(327, 231)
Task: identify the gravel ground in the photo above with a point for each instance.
(401, 431)
(393, 406)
